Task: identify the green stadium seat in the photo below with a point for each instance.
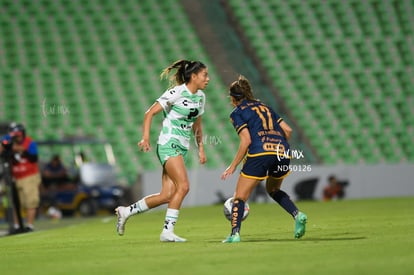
(357, 76)
(94, 57)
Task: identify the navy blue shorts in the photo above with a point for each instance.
(264, 166)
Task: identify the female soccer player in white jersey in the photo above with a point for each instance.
(182, 105)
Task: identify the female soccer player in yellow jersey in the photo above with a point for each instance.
(183, 106)
(264, 138)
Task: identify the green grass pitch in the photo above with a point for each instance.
(374, 236)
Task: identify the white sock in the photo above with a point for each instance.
(138, 207)
(171, 218)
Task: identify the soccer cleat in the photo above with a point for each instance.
(122, 214)
(232, 239)
(300, 225)
(168, 236)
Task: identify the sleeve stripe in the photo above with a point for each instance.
(279, 120)
(241, 127)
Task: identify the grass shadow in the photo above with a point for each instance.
(305, 239)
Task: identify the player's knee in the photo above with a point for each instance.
(183, 189)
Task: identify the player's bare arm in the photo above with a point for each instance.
(286, 129)
(245, 141)
(144, 144)
(198, 135)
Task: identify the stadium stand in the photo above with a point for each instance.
(92, 68)
(345, 68)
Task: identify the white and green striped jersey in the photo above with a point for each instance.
(181, 109)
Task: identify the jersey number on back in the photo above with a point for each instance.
(267, 121)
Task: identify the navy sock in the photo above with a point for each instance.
(237, 215)
(283, 199)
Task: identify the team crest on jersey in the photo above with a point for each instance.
(192, 104)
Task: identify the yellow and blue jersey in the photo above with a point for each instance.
(267, 137)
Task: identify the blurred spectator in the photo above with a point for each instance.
(54, 173)
(334, 189)
(305, 188)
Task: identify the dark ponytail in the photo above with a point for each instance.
(241, 89)
(185, 69)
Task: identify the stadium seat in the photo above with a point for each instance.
(342, 63)
(101, 61)
(341, 67)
